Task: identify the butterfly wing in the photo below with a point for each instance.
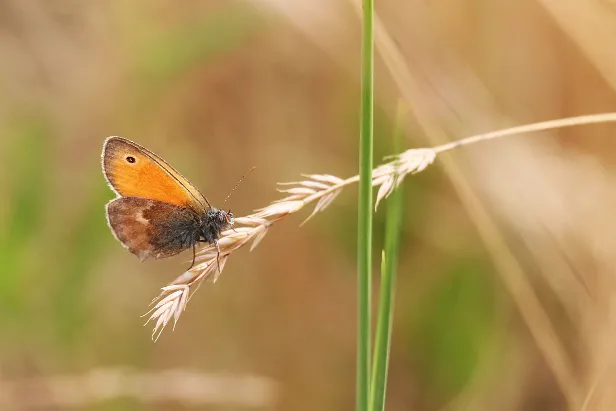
(151, 228)
(134, 171)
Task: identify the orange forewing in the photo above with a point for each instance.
(133, 171)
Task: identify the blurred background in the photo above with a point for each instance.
(505, 295)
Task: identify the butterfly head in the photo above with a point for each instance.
(214, 222)
(224, 218)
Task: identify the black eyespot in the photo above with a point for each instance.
(130, 159)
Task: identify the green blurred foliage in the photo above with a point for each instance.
(455, 324)
(28, 188)
(83, 248)
(171, 53)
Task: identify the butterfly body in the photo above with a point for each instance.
(158, 213)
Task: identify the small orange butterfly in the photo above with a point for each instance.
(158, 213)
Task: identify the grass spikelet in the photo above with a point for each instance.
(321, 189)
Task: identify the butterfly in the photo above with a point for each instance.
(157, 213)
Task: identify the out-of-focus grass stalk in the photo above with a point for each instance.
(364, 226)
(389, 265)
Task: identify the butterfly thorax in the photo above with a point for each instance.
(214, 222)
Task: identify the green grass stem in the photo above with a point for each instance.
(364, 229)
(389, 265)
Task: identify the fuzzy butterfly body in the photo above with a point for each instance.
(158, 213)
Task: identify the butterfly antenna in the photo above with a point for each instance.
(237, 184)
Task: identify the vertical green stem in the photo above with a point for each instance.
(364, 229)
(386, 301)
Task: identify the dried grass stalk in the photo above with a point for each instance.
(322, 189)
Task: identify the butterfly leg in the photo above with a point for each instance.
(194, 254)
(217, 255)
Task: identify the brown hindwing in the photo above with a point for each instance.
(151, 228)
